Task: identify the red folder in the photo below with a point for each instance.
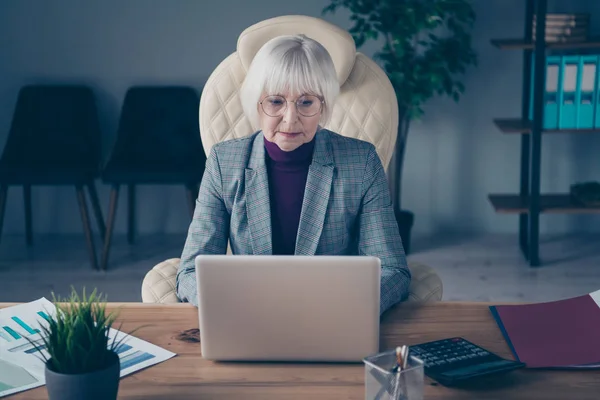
(557, 334)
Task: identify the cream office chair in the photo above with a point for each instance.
(366, 109)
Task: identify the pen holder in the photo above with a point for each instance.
(383, 384)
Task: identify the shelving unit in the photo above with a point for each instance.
(529, 203)
(549, 203)
(523, 44)
(525, 127)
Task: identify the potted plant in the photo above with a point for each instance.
(426, 49)
(82, 361)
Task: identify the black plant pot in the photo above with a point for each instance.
(98, 385)
(405, 221)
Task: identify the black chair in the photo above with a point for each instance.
(54, 139)
(158, 142)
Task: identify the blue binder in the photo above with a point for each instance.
(551, 93)
(588, 65)
(571, 94)
(568, 106)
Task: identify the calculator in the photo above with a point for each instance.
(456, 360)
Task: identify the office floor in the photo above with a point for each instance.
(472, 268)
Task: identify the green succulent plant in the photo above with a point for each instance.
(77, 337)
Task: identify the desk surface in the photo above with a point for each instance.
(188, 376)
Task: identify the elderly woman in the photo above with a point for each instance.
(294, 187)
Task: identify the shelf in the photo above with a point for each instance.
(549, 203)
(517, 125)
(521, 44)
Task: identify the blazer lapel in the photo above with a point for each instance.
(316, 197)
(257, 199)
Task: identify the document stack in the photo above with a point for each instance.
(564, 28)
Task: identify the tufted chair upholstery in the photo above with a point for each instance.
(366, 109)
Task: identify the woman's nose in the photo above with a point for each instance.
(291, 114)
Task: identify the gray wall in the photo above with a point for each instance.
(455, 155)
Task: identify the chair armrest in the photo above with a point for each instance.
(425, 285)
(159, 283)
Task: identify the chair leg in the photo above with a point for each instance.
(97, 209)
(3, 196)
(112, 211)
(85, 217)
(28, 223)
(192, 193)
(131, 213)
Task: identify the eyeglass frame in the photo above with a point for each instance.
(321, 99)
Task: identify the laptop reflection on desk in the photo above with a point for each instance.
(288, 308)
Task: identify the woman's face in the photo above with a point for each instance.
(289, 125)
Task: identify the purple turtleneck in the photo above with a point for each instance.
(287, 179)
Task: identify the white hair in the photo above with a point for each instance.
(291, 63)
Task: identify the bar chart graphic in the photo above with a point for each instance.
(122, 348)
(27, 347)
(5, 336)
(43, 315)
(23, 325)
(134, 358)
(15, 328)
(12, 332)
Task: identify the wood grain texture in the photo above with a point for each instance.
(550, 203)
(521, 44)
(188, 376)
(517, 125)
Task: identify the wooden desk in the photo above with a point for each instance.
(188, 376)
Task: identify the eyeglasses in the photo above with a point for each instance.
(306, 105)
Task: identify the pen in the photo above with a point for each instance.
(401, 362)
(399, 359)
(385, 384)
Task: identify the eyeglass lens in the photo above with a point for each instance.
(306, 105)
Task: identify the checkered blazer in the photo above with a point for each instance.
(346, 210)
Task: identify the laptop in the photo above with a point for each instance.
(288, 308)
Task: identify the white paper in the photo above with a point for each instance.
(22, 364)
(14, 379)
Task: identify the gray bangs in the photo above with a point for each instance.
(293, 74)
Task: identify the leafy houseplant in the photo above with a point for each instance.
(82, 362)
(426, 49)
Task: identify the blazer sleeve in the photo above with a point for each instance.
(208, 232)
(379, 236)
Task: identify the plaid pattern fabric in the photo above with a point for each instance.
(346, 210)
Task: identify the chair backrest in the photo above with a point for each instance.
(54, 125)
(366, 108)
(158, 126)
